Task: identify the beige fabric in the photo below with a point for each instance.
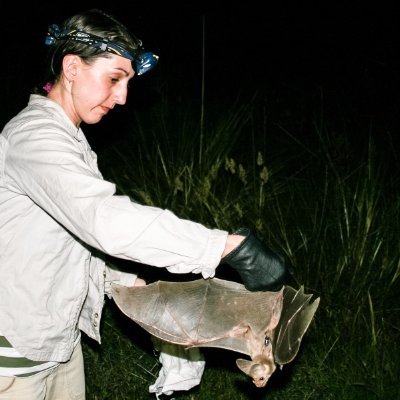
(65, 382)
(58, 217)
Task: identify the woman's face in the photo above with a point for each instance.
(98, 87)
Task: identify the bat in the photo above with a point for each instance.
(266, 326)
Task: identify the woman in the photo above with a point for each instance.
(58, 217)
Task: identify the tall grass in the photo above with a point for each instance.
(336, 216)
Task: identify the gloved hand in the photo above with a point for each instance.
(259, 267)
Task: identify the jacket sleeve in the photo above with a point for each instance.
(115, 275)
(52, 168)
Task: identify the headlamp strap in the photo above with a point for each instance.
(144, 61)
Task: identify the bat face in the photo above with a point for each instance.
(262, 364)
(259, 372)
(266, 326)
(261, 367)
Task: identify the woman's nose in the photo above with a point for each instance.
(120, 96)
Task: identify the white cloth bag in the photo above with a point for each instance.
(181, 369)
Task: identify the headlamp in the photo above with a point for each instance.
(143, 61)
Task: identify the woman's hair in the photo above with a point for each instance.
(93, 22)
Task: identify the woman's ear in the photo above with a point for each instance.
(71, 64)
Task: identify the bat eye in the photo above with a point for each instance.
(267, 341)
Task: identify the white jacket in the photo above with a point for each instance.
(57, 218)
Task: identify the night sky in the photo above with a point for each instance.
(350, 53)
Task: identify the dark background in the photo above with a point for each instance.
(345, 53)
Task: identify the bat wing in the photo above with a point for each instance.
(200, 313)
(297, 313)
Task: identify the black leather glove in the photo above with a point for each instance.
(259, 267)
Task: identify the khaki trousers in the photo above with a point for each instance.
(65, 382)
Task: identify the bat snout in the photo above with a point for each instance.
(260, 382)
(260, 372)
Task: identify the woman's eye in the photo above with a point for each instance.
(114, 80)
(267, 341)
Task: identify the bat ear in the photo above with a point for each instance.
(276, 311)
(244, 365)
(297, 313)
